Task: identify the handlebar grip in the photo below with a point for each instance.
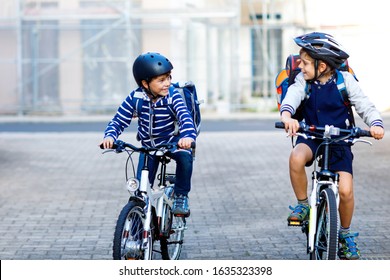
(279, 125)
(114, 145)
(364, 133)
(302, 126)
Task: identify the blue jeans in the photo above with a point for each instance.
(184, 165)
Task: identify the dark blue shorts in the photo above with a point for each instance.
(341, 156)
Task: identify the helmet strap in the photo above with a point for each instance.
(146, 88)
(315, 72)
(316, 76)
(150, 93)
(328, 70)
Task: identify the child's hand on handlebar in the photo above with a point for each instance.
(377, 132)
(291, 125)
(185, 143)
(107, 143)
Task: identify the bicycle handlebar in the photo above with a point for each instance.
(120, 145)
(354, 132)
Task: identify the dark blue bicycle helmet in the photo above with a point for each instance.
(323, 47)
(149, 65)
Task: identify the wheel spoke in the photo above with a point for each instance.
(128, 237)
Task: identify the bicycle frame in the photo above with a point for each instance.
(147, 216)
(154, 198)
(320, 180)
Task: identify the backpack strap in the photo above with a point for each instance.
(138, 99)
(307, 91)
(170, 103)
(171, 111)
(344, 95)
(342, 88)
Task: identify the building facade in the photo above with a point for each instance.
(75, 56)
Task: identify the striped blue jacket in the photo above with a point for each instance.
(156, 121)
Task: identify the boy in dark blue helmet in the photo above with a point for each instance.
(156, 123)
(320, 55)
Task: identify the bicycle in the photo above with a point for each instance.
(322, 227)
(147, 216)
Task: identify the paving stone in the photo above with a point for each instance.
(60, 197)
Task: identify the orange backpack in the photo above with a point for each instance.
(286, 77)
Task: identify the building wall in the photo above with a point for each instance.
(8, 70)
(210, 42)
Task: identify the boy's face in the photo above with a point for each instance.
(160, 85)
(307, 66)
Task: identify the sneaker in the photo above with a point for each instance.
(299, 213)
(180, 206)
(348, 247)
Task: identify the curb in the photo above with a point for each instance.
(107, 118)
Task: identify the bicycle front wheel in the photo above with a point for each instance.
(326, 239)
(171, 235)
(128, 236)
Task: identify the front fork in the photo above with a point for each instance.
(312, 218)
(146, 193)
(147, 229)
(314, 201)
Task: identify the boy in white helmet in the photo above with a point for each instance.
(320, 56)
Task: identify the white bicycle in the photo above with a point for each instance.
(147, 216)
(322, 228)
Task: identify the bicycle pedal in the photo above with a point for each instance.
(182, 215)
(294, 223)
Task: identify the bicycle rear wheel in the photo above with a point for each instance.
(326, 239)
(128, 236)
(171, 234)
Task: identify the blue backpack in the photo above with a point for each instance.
(286, 77)
(188, 92)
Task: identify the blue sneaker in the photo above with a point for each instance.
(180, 206)
(348, 248)
(298, 215)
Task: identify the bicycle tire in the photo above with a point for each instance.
(128, 235)
(171, 234)
(326, 239)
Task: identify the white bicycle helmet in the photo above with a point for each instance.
(324, 47)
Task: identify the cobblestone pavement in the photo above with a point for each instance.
(60, 196)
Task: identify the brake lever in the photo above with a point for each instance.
(298, 134)
(306, 136)
(302, 135)
(108, 151)
(355, 140)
